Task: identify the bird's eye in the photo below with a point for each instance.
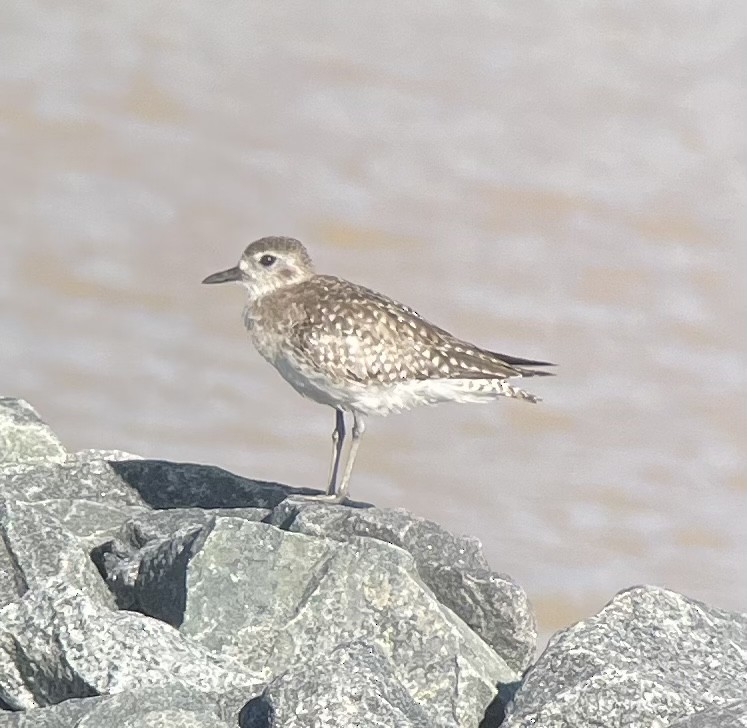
(267, 260)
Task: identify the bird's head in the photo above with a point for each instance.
(267, 265)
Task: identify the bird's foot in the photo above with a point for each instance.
(323, 497)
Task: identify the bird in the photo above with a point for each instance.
(356, 350)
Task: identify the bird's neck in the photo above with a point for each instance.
(259, 306)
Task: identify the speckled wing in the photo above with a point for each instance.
(352, 332)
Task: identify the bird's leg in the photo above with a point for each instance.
(338, 437)
(359, 427)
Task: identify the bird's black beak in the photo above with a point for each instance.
(224, 276)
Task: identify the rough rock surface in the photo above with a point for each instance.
(359, 687)
(56, 643)
(171, 706)
(222, 589)
(25, 437)
(291, 597)
(650, 657)
(454, 567)
(146, 593)
(38, 548)
(732, 714)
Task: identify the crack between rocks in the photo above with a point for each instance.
(321, 570)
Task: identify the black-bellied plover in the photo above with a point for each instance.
(356, 350)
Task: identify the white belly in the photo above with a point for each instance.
(306, 383)
(382, 400)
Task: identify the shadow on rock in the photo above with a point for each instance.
(164, 484)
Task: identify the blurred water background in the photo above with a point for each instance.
(560, 180)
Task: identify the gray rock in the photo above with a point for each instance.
(145, 565)
(157, 526)
(413, 615)
(164, 718)
(650, 657)
(74, 479)
(354, 685)
(88, 455)
(265, 596)
(290, 597)
(24, 437)
(153, 709)
(64, 715)
(37, 548)
(10, 589)
(92, 522)
(454, 568)
(56, 644)
(84, 494)
(171, 706)
(728, 715)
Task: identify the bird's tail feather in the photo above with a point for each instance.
(526, 367)
(535, 372)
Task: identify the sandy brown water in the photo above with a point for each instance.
(554, 180)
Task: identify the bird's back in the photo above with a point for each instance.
(349, 333)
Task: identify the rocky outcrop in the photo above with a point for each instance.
(650, 657)
(146, 593)
(195, 596)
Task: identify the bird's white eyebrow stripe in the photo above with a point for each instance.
(243, 264)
